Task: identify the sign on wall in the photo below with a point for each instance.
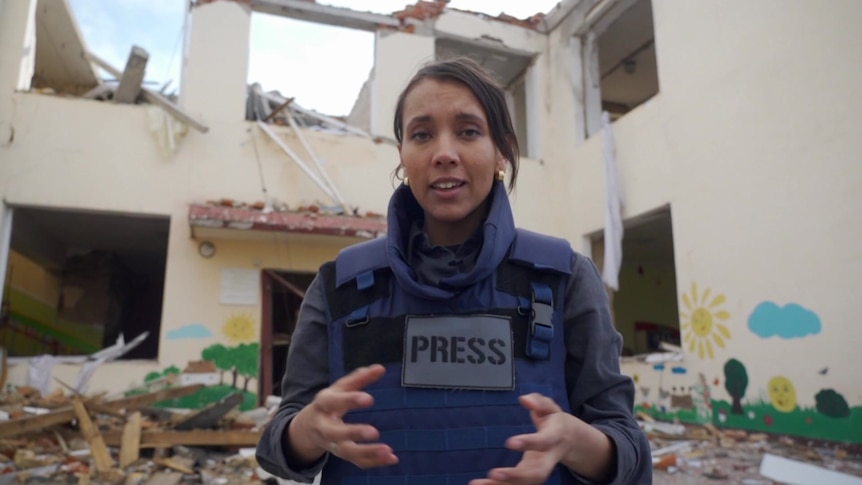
(240, 287)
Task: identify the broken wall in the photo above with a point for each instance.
(751, 143)
(56, 164)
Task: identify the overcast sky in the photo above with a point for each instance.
(282, 50)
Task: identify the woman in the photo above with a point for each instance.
(458, 349)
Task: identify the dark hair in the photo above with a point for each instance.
(489, 93)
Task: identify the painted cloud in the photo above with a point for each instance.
(789, 321)
(193, 331)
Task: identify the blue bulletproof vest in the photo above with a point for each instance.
(445, 435)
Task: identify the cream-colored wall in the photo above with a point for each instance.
(17, 31)
(753, 142)
(397, 56)
(473, 27)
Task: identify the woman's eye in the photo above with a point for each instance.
(420, 136)
(471, 133)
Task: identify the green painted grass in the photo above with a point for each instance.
(802, 422)
(205, 397)
(683, 415)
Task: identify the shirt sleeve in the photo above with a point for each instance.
(307, 374)
(598, 393)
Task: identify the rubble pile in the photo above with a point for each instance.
(69, 438)
(277, 206)
(701, 454)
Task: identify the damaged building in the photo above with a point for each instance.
(722, 134)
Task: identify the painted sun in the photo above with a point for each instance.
(702, 322)
(239, 328)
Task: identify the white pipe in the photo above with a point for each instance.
(263, 126)
(326, 119)
(319, 163)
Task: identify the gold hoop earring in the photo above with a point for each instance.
(406, 181)
(501, 175)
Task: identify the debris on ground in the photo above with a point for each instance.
(65, 437)
(704, 454)
(76, 439)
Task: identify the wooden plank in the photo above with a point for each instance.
(137, 402)
(209, 416)
(152, 96)
(277, 110)
(66, 414)
(90, 432)
(133, 76)
(130, 446)
(159, 439)
(165, 478)
(176, 464)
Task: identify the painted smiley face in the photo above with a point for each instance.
(701, 322)
(782, 394)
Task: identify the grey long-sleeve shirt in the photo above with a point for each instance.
(598, 393)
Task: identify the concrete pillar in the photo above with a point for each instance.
(534, 94)
(216, 64)
(397, 56)
(17, 55)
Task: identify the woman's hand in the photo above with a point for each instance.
(559, 438)
(319, 428)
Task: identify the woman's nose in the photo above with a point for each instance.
(446, 151)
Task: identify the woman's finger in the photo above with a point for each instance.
(365, 455)
(539, 404)
(359, 378)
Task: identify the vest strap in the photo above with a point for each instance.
(541, 332)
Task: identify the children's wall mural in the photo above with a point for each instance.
(687, 390)
(702, 322)
(225, 368)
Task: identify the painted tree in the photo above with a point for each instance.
(218, 355)
(152, 376)
(172, 370)
(735, 381)
(246, 362)
(832, 404)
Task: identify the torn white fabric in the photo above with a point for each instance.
(40, 368)
(105, 355)
(613, 209)
(167, 130)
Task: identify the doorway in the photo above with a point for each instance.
(283, 293)
(645, 309)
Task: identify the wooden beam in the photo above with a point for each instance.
(277, 110)
(325, 14)
(130, 445)
(66, 414)
(209, 416)
(152, 96)
(162, 439)
(137, 402)
(101, 456)
(165, 478)
(133, 76)
(287, 284)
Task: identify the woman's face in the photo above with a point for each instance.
(449, 157)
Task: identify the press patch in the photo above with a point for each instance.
(459, 352)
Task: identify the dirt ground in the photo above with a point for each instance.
(710, 456)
